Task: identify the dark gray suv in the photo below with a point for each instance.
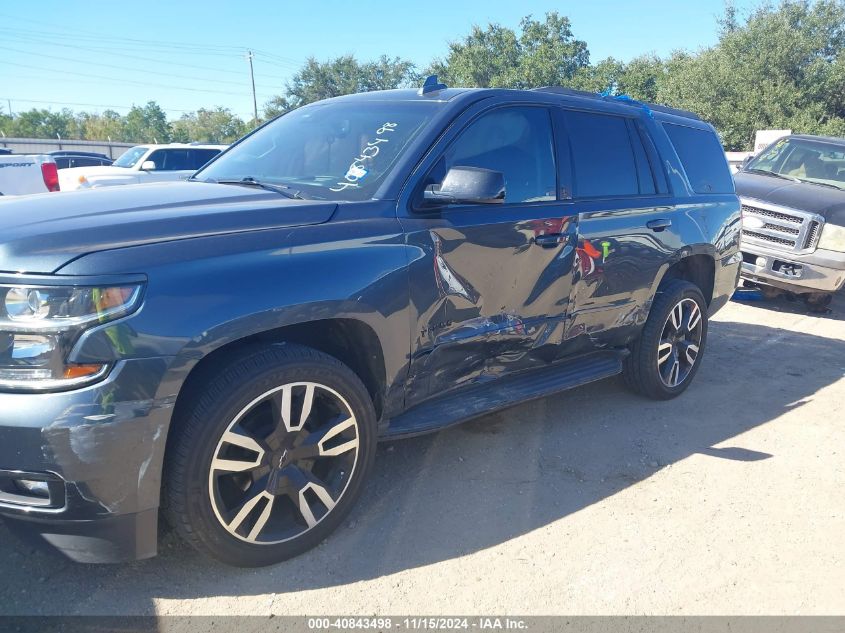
(229, 349)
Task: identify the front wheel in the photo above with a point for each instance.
(270, 457)
(666, 356)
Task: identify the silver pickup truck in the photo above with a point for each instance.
(793, 215)
(23, 173)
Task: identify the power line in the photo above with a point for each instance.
(90, 105)
(124, 81)
(123, 68)
(111, 51)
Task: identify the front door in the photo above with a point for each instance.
(491, 283)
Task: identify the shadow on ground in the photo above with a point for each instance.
(476, 486)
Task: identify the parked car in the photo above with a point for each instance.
(4, 151)
(142, 164)
(793, 206)
(22, 174)
(230, 348)
(66, 159)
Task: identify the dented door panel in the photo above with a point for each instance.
(487, 299)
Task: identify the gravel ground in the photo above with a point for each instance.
(727, 500)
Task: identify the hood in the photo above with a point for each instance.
(825, 201)
(43, 232)
(69, 178)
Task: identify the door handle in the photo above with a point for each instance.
(659, 225)
(551, 240)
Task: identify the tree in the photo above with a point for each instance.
(543, 54)
(5, 122)
(101, 127)
(40, 123)
(146, 124)
(783, 68)
(340, 76)
(216, 125)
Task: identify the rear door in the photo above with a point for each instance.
(171, 164)
(627, 225)
(490, 284)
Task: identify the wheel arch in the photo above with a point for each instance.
(351, 341)
(696, 265)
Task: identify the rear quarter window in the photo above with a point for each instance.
(702, 157)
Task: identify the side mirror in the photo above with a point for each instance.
(747, 160)
(468, 185)
(148, 165)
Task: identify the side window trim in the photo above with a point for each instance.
(563, 156)
(641, 162)
(657, 170)
(416, 208)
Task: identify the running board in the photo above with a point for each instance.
(480, 399)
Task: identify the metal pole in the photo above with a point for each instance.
(252, 78)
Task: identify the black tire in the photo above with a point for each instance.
(193, 488)
(642, 372)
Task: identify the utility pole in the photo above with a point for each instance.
(10, 106)
(252, 79)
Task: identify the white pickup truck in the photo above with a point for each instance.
(22, 174)
(142, 164)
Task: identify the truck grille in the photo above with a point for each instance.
(782, 229)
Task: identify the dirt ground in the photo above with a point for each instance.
(727, 500)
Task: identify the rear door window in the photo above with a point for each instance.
(702, 157)
(202, 156)
(603, 159)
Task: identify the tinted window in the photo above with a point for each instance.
(62, 163)
(85, 162)
(603, 158)
(172, 159)
(202, 156)
(703, 158)
(517, 142)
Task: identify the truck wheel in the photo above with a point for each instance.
(269, 457)
(666, 356)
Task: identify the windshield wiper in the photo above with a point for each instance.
(249, 181)
(765, 172)
(821, 184)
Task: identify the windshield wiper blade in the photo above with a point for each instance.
(765, 172)
(821, 184)
(249, 181)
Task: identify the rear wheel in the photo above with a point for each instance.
(270, 457)
(666, 357)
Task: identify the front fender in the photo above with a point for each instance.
(205, 293)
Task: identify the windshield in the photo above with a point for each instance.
(130, 157)
(328, 151)
(802, 159)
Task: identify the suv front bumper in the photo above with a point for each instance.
(819, 271)
(100, 449)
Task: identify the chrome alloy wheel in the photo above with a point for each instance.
(680, 342)
(283, 463)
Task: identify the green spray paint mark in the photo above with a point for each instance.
(605, 250)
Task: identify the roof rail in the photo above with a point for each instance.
(595, 95)
(560, 90)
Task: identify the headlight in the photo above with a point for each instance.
(833, 238)
(40, 324)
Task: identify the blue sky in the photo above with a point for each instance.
(189, 54)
